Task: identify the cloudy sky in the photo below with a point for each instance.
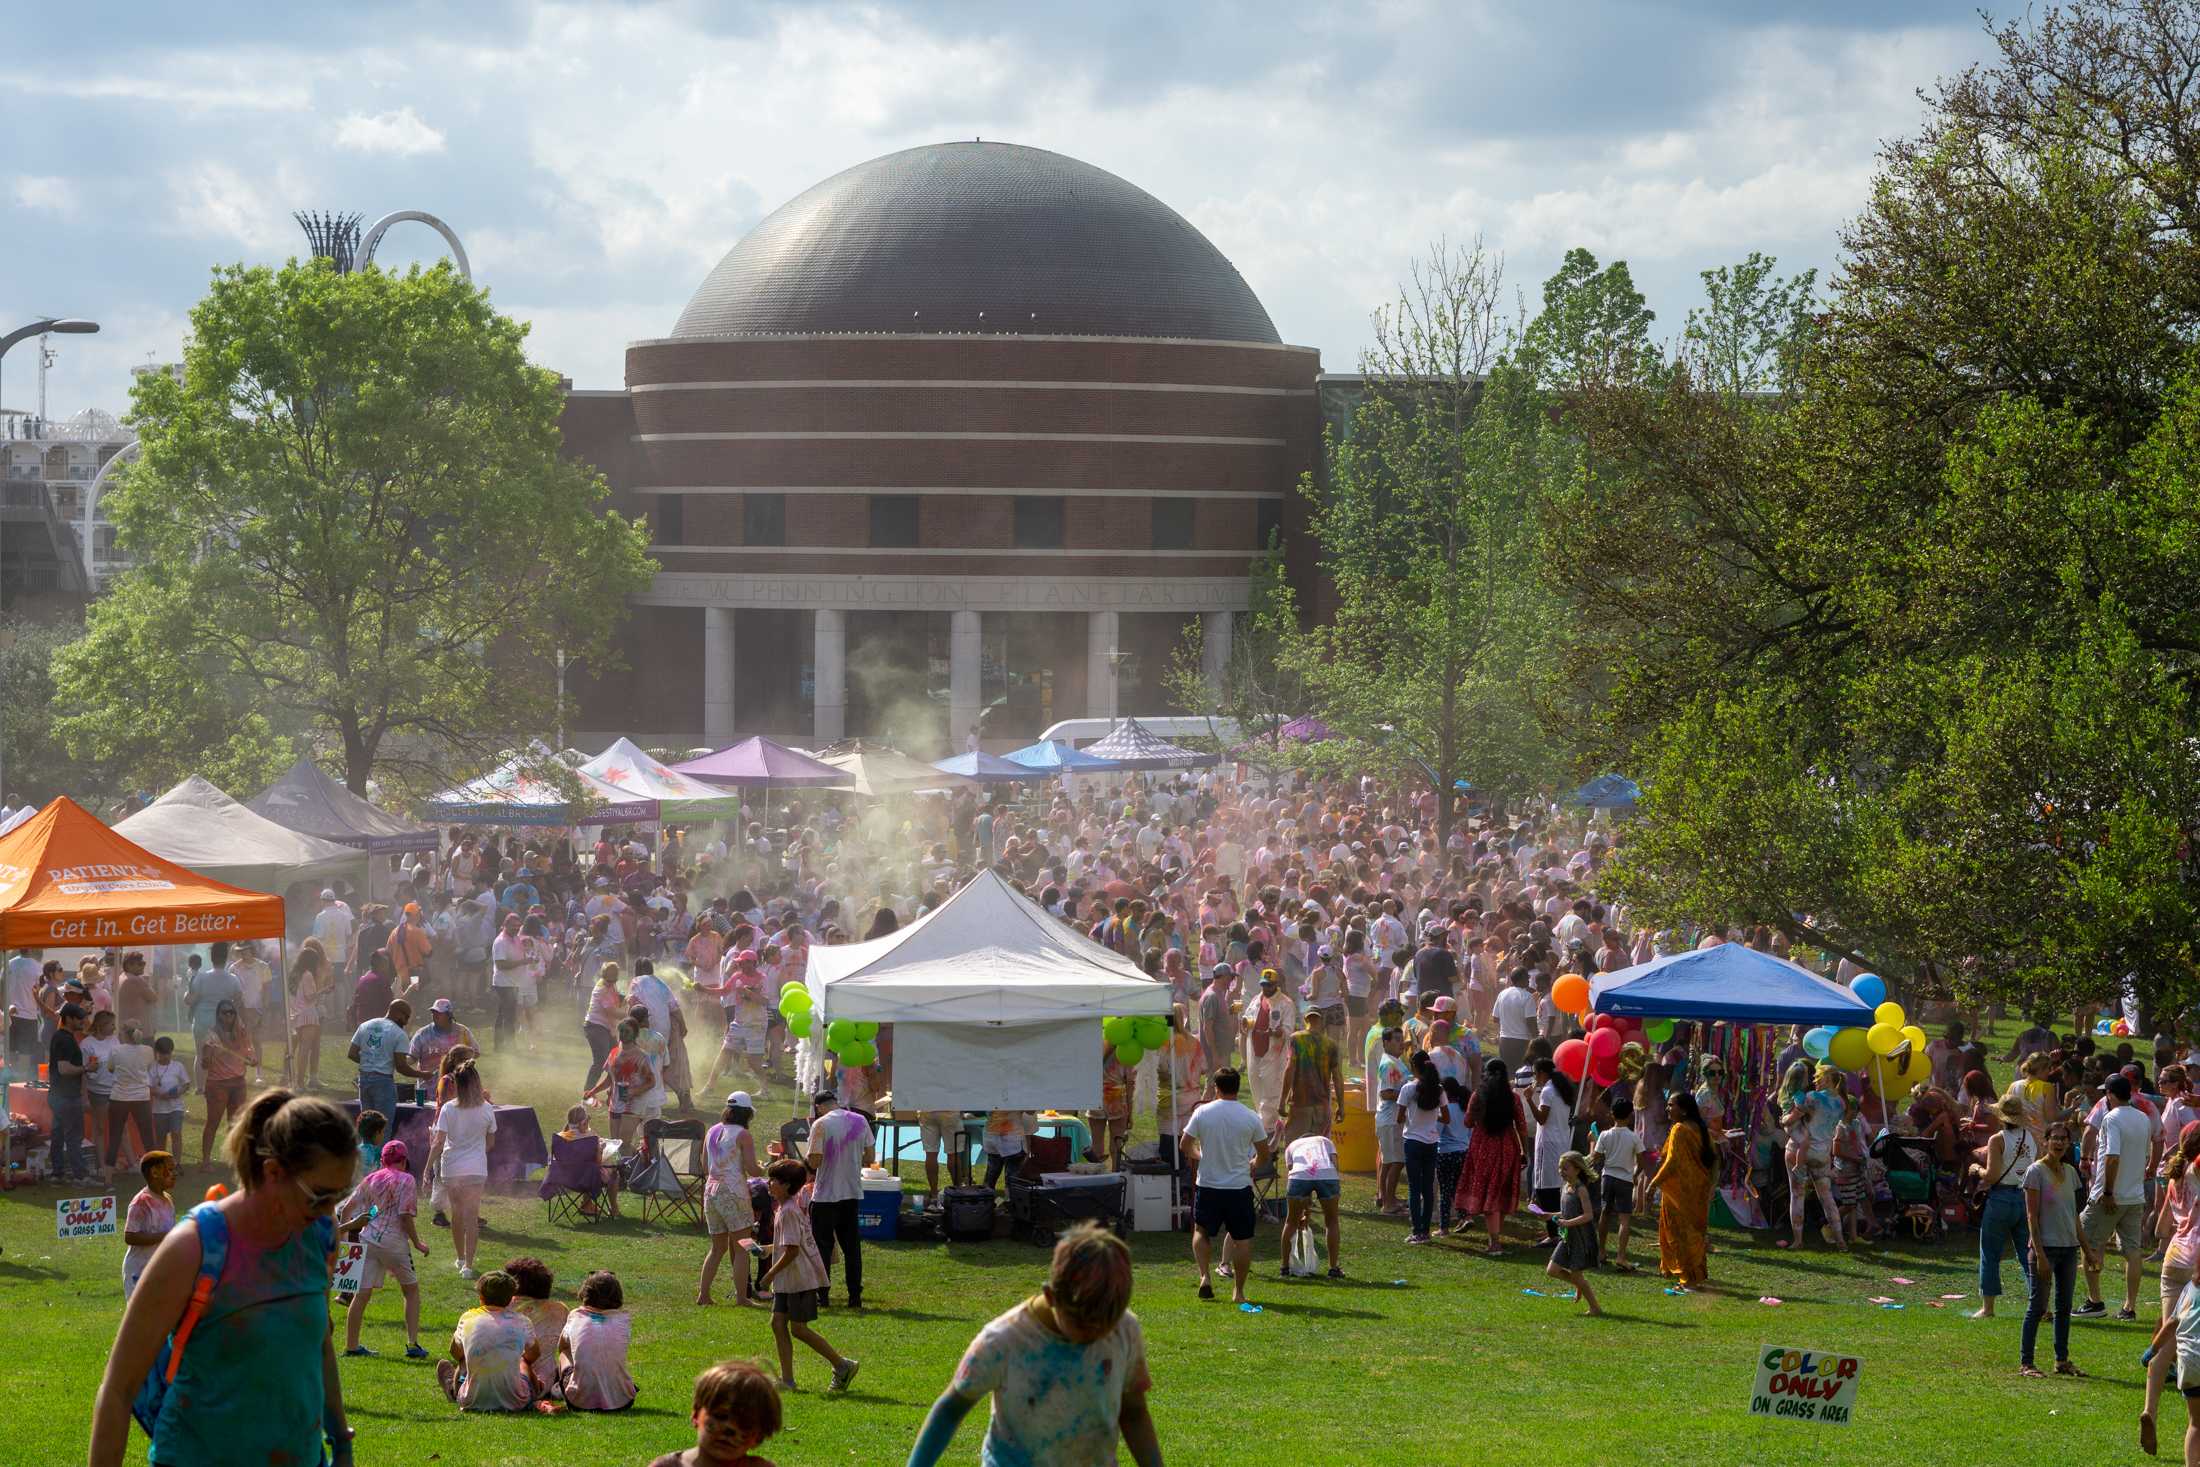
(597, 159)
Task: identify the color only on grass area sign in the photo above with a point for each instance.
(351, 1267)
(1805, 1385)
(84, 1217)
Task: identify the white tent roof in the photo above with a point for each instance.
(987, 955)
(198, 826)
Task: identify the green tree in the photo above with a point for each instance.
(351, 517)
(1594, 327)
(1900, 607)
(1426, 521)
(1259, 690)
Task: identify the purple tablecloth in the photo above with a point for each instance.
(516, 1146)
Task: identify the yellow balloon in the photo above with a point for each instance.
(1884, 1039)
(1891, 1013)
(1915, 1037)
(1849, 1049)
(1891, 1081)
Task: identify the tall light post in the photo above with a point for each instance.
(58, 325)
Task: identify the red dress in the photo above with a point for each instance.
(1491, 1181)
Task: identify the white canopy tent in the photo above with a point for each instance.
(996, 1005)
(197, 825)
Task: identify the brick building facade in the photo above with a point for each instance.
(958, 439)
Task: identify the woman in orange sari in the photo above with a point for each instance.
(1684, 1191)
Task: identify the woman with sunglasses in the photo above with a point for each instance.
(257, 1378)
(223, 1057)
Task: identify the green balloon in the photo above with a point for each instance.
(1152, 1031)
(839, 1034)
(858, 1052)
(794, 999)
(1130, 1054)
(800, 1024)
(866, 1030)
(1659, 1030)
(1117, 1029)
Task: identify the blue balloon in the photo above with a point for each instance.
(1818, 1043)
(1870, 989)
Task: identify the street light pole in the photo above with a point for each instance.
(67, 326)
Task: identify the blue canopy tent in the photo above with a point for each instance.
(1608, 792)
(1730, 982)
(1059, 756)
(987, 768)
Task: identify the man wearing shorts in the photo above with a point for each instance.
(1228, 1141)
(1313, 1083)
(942, 1130)
(2116, 1206)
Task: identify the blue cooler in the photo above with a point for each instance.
(878, 1215)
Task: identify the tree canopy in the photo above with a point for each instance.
(1896, 595)
(352, 524)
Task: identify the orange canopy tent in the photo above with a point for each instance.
(68, 881)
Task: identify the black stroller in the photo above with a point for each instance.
(1920, 1197)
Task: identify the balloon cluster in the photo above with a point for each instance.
(852, 1040)
(1130, 1038)
(1890, 1050)
(1615, 1049)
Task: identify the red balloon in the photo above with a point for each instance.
(1604, 1044)
(1599, 1022)
(1605, 1072)
(1572, 1058)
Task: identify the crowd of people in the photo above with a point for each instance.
(1324, 950)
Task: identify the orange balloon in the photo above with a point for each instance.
(1570, 994)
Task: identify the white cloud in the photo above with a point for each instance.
(223, 87)
(213, 200)
(401, 133)
(50, 195)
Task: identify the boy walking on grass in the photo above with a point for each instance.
(797, 1276)
(1617, 1150)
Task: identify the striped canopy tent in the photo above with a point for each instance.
(1131, 745)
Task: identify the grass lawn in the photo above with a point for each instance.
(1423, 1355)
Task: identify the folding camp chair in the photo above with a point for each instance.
(671, 1176)
(573, 1189)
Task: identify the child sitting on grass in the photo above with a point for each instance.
(736, 1411)
(592, 1348)
(797, 1276)
(544, 1315)
(492, 1351)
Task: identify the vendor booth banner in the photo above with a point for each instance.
(979, 1067)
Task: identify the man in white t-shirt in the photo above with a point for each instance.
(333, 926)
(508, 959)
(1229, 1142)
(22, 990)
(1515, 1011)
(840, 1147)
(2116, 1205)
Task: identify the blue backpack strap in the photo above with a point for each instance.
(213, 1231)
(213, 1238)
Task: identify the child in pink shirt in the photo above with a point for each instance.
(592, 1348)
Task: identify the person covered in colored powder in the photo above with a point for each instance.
(1066, 1369)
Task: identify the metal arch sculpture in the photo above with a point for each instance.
(90, 510)
(381, 226)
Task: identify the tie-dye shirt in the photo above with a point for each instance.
(1053, 1402)
(495, 1344)
(840, 1138)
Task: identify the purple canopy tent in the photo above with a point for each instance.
(760, 761)
(1302, 730)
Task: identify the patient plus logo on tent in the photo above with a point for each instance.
(99, 880)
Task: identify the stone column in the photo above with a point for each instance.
(1214, 645)
(964, 638)
(718, 676)
(1100, 634)
(829, 668)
